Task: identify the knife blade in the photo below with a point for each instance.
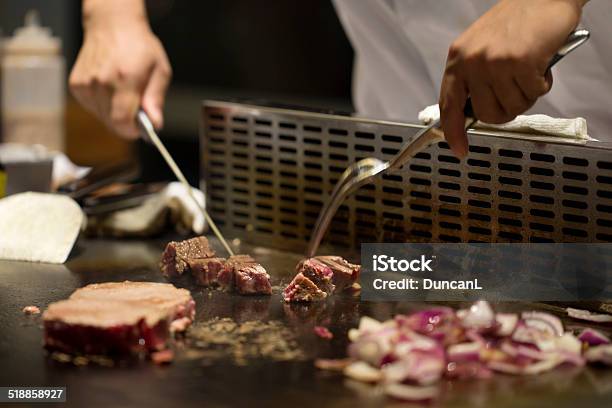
(145, 124)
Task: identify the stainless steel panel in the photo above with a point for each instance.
(268, 170)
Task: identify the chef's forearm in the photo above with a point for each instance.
(113, 11)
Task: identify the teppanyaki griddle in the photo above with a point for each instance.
(199, 381)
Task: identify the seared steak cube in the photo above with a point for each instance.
(302, 289)
(319, 273)
(252, 279)
(345, 273)
(241, 259)
(249, 277)
(206, 271)
(177, 255)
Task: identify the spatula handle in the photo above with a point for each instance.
(575, 40)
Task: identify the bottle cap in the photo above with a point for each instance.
(32, 38)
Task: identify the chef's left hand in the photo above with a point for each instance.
(501, 62)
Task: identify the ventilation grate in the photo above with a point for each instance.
(267, 172)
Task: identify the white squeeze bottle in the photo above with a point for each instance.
(33, 86)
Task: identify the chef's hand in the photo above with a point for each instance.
(501, 61)
(121, 66)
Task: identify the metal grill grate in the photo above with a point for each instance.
(267, 172)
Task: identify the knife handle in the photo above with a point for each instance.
(575, 40)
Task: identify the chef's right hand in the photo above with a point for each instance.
(121, 66)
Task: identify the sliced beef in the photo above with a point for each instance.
(241, 259)
(328, 274)
(116, 318)
(302, 289)
(239, 272)
(250, 278)
(206, 271)
(225, 278)
(345, 273)
(176, 256)
(319, 273)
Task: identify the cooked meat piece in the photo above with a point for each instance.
(345, 273)
(241, 260)
(103, 327)
(162, 357)
(180, 325)
(323, 332)
(326, 273)
(177, 254)
(30, 310)
(225, 278)
(206, 271)
(174, 302)
(248, 277)
(319, 273)
(116, 318)
(302, 289)
(251, 279)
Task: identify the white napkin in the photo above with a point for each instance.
(171, 205)
(541, 125)
(38, 227)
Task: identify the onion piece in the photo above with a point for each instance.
(589, 316)
(505, 367)
(423, 367)
(506, 323)
(362, 371)
(600, 354)
(593, 337)
(543, 321)
(569, 344)
(411, 393)
(541, 366)
(424, 321)
(464, 351)
(478, 316)
(332, 364)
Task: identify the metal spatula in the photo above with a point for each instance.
(364, 170)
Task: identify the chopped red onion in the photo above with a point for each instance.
(332, 364)
(362, 371)
(543, 321)
(506, 323)
(423, 367)
(593, 337)
(599, 354)
(589, 316)
(411, 393)
(464, 351)
(467, 369)
(411, 352)
(478, 316)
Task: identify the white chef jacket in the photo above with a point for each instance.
(401, 47)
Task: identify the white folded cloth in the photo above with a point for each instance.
(173, 205)
(39, 227)
(540, 125)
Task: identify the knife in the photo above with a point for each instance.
(145, 124)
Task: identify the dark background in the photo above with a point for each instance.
(283, 51)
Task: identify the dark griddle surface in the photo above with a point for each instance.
(189, 382)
